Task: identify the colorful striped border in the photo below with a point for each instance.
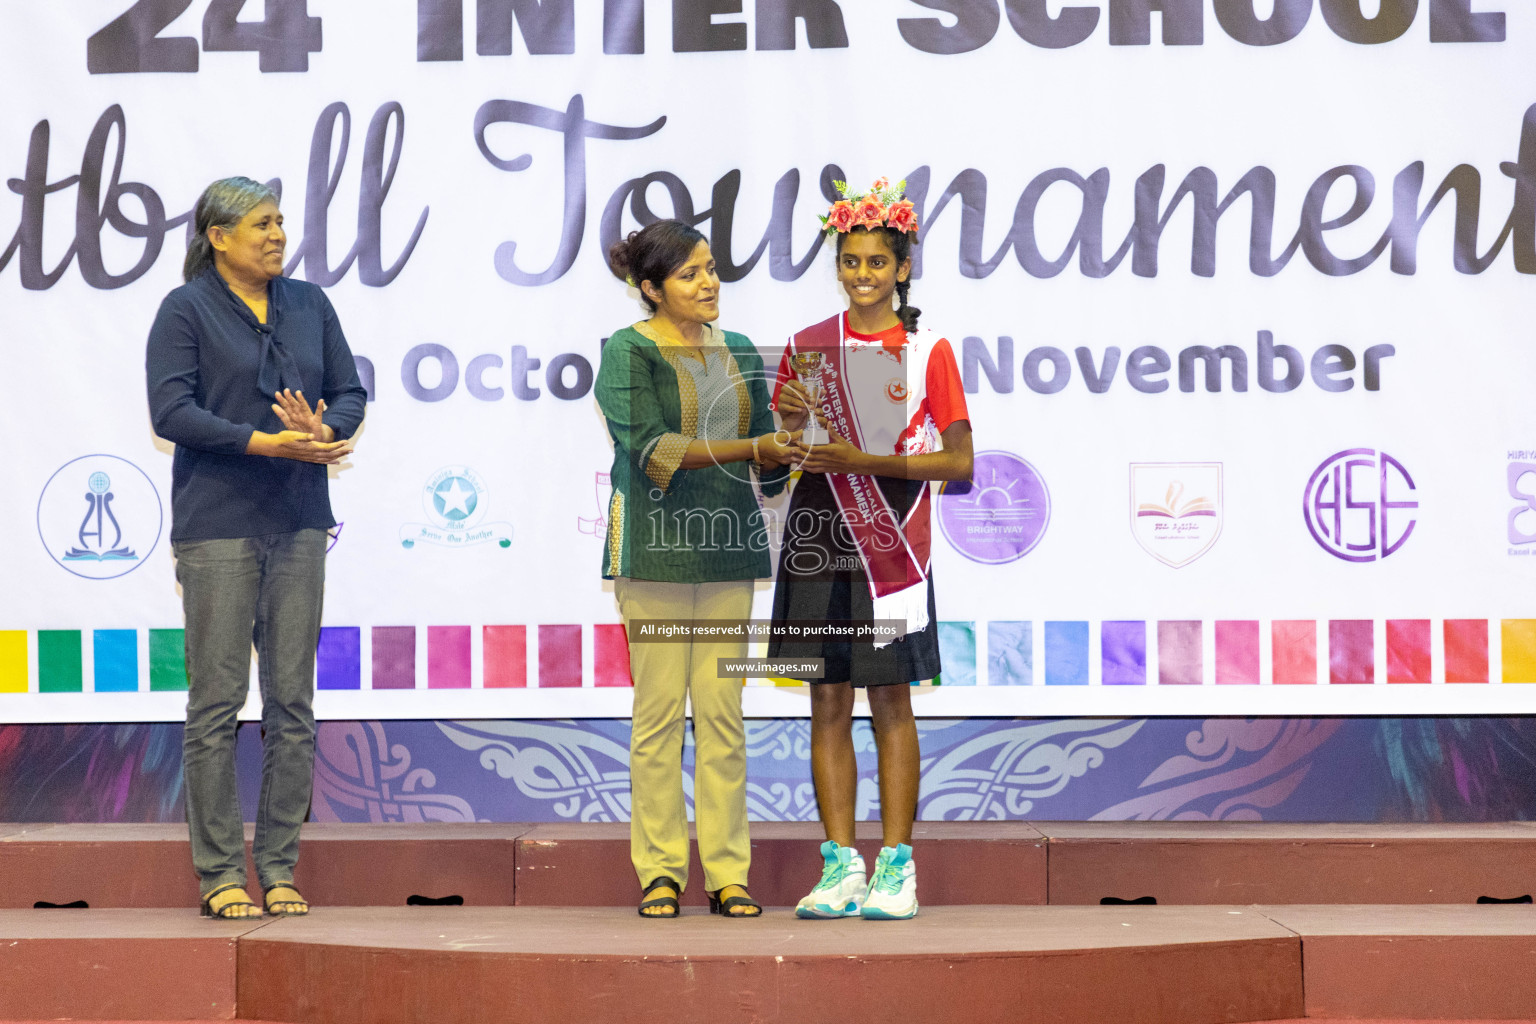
(1065, 652)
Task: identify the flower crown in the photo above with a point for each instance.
(881, 207)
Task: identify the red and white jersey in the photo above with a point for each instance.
(889, 394)
(905, 388)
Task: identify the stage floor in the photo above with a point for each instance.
(519, 951)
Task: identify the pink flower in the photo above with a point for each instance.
(880, 185)
(902, 216)
(840, 217)
(869, 213)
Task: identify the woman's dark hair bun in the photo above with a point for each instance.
(618, 256)
(653, 253)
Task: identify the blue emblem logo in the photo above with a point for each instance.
(455, 500)
(99, 516)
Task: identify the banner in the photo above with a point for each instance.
(1239, 288)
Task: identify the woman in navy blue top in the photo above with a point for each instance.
(232, 354)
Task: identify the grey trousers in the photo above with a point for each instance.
(264, 590)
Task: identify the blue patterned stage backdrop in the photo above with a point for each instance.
(1268, 769)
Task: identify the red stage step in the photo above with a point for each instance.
(494, 864)
(1235, 862)
(356, 865)
(105, 865)
(348, 865)
(546, 965)
(1163, 965)
(127, 964)
(962, 862)
(1130, 965)
(1418, 962)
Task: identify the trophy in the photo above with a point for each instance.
(807, 367)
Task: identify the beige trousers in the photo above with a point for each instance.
(665, 675)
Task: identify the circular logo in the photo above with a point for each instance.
(455, 499)
(99, 516)
(1000, 514)
(1358, 505)
(896, 389)
(452, 496)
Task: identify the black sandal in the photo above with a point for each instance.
(724, 908)
(662, 882)
(225, 910)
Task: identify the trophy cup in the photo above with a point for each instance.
(807, 367)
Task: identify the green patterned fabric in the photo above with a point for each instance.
(667, 523)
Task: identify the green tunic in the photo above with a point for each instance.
(671, 524)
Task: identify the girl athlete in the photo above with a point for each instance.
(856, 539)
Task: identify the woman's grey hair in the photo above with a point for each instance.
(222, 204)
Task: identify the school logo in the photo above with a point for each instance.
(1360, 505)
(1176, 509)
(1520, 477)
(99, 516)
(1000, 514)
(455, 500)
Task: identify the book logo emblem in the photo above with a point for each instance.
(1176, 509)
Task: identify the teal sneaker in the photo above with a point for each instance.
(893, 891)
(840, 893)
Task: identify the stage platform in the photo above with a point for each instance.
(1385, 925)
(983, 863)
(543, 965)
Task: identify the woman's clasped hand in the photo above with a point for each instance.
(306, 437)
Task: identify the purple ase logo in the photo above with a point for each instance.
(1000, 514)
(1356, 505)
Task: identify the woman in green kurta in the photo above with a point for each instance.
(686, 405)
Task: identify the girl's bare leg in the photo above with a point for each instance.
(834, 768)
(890, 709)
